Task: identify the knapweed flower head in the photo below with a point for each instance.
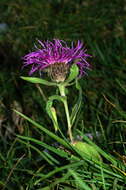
(56, 58)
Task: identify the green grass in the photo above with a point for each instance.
(30, 158)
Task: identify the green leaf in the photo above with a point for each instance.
(52, 135)
(39, 81)
(104, 154)
(74, 71)
(46, 146)
(87, 150)
(121, 85)
(57, 97)
(51, 110)
(52, 114)
(59, 169)
(77, 106)
(79, 181)
(42, 154)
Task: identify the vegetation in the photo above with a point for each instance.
(32, 155)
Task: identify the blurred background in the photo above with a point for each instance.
(101, 25)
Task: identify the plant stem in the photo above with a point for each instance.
(62, 93)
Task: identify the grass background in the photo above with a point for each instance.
(101, 25)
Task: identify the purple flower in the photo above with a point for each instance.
(56, 58)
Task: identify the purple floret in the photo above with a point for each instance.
(54, 52)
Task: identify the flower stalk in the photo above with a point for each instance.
(62, 93)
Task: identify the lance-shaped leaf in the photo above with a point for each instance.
(51, 110)
(52, 135)
(74, 71)
(39, 81)
(43, 154)
(77, 106)
(46, 146)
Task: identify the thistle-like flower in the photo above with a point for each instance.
(56, 58)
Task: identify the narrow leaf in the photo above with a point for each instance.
(46, 146)
(51, 110)
(79, 181)
(39, 81)
(59, 169)
(74, 71)
(77, 106)
(52, 135)
(38, 151)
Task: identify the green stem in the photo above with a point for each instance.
(62, 93)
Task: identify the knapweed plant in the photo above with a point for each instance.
(60, 66)
(64, 66)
